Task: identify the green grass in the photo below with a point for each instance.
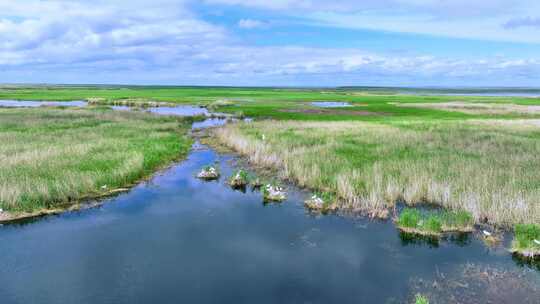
(53, 157)
(414, 219)
(409, 218)
(457, 219)
(435, 221)
(270, 102)
(524, 236)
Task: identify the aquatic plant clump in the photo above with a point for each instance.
(208, 173)
(434, 223)
(527, 240)
(274, 193)
(239, 179)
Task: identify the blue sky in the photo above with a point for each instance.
(271, 43)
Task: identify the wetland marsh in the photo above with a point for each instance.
(207, 241)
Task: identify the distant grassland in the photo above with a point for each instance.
(487, 168)
(277, 103)
(51, 157)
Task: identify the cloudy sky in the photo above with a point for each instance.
(271, 42)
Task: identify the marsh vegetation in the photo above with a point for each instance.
(488, 170)
(56, 157)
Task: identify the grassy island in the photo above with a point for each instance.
(434, 223)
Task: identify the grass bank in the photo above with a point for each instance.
(53, 157)
(487, 168)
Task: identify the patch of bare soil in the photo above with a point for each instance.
(480, 284)
(332, 112)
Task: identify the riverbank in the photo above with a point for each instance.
(58, 157)
(486, 169)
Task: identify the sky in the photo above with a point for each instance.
(318, 43)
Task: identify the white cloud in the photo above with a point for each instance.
(73, 31)
(251, 24)
(143, 42)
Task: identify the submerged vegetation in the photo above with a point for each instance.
(54, 157)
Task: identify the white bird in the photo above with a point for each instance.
(486, 233)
